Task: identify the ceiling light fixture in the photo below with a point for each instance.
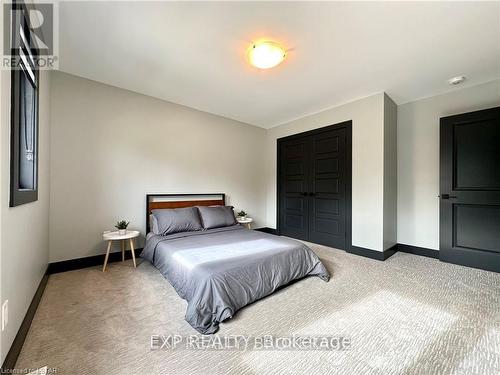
(265, 55)
(456, 80)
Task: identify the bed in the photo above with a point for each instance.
(219, 270)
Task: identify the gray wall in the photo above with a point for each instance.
(390, 173)
(24, 229)
(418, 158)
(367, 117)
(109, 147)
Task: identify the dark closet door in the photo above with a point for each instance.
(327, 219)
(293, 168)
(314, 184)
(470, 189)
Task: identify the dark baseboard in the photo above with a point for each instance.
(390, 251)
(92, 261)
(267, 230)
(373, 254)
(430, 253)
(11, 357)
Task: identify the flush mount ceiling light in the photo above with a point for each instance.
(456, 80)
(266, 54)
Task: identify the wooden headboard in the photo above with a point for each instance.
(159, 201)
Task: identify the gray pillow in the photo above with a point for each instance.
(217, 216)
(176, 220)
(153, 224)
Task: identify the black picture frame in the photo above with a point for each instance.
(18, 195)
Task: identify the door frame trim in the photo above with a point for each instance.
(348, 126)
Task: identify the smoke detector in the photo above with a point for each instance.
(456, 80)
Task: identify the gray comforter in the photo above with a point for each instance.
(219, 271)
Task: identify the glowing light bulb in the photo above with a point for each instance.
(265, 55)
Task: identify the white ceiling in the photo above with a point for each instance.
(195, 53)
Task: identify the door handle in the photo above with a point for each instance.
(312, 194)
(304, 194)
(447, 196)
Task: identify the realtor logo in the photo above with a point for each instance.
(37, 31)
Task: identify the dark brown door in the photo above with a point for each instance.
(293, 188)
(327, 219)
(470, 189)
(314, 186)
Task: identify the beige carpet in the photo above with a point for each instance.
(407, 315)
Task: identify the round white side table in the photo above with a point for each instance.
(115, 236)
(246, 222)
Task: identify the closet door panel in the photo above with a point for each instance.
(294, 182)
(327, 198)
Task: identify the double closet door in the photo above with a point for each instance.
(314, 186)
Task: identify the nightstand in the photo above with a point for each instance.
(115, 236)
(246, 222)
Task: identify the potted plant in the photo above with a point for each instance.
(122, 227)
(242, 215)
